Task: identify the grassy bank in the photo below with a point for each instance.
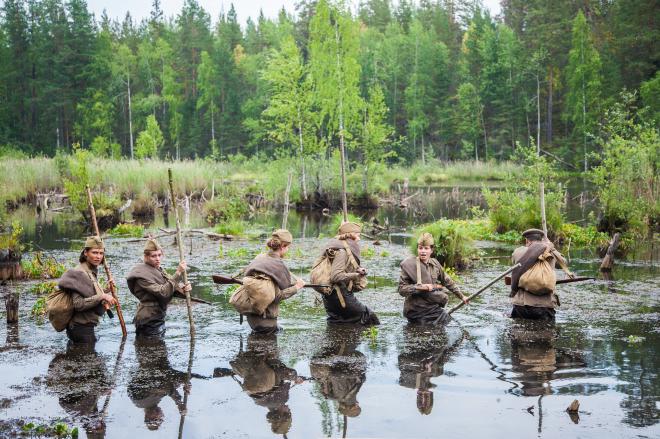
(22, 179)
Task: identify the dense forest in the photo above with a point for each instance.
(394, 80)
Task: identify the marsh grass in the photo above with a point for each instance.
(127, 230)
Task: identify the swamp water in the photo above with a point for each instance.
(483, 375)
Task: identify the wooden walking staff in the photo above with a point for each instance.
(484, 288)
(106, 267)
(180, 245)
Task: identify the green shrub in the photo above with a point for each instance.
(581, 236)
(224, 209)
(44, 288)
(232, 227)
(454, 246)
(39, 307)
(37, 268)
(127, 230)
(12, 240)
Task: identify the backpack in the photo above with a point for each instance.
(540, 279)
(59, 306)
(254, 296)
(320, 273)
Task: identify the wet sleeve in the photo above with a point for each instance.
(285, 293)
(165, 290)
(406, 285)
(338, 272)
(448, 283)
(81, 303)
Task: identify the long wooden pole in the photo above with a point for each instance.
(180, 245)
(106, 267)
(484, 288)
(342, 152)
(544, 222)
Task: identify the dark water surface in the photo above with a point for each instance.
(483, 375)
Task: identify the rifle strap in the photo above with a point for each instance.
(340, 296)
(562, 264)
(419, 271)
(353, 262)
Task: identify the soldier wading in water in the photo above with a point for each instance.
(154, 288)
(536, 305)
(346, 278)
(89, 299)
(424, 283)
(272, 267)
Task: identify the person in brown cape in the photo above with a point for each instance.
(155, 289)
(525, 304)
(424, 284)
(346, 278)
(272, 265)
(89, 298)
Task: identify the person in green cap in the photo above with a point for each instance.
(89, 299)
(424, 284)
(271, 265)
(527, 305)
(346, 278)
(155, 289)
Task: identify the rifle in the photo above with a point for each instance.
(224, 280)
(108, 274)
(482, 289)
(192, 299)
(507, 280)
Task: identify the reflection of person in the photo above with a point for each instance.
(155, 289)
(153, 380)
(340, 369)
(424, 284)
(525, 304)
(534, 357)
(346, 278)
(266, 379)
(272, 265)
(422, 358)
(79, 378)
(87, 295)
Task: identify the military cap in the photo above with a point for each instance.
(283, 235)
(349, 227)
(151, 246)
(94, 242)
(426, 240)
(530, 232)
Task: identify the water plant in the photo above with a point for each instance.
(127, 230)
(454, 246)
(38, 268)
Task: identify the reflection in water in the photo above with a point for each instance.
(340, 369)
(79, 378)
(425, 352)
(153, 380)
(535, 358)
(265, 378)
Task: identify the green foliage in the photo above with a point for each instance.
(224, 209)
(626, 178)
(338, 219)
(234, 227)
(44, 288)
(102, 147)
(649, 91)
(12, 240)
(454, 244)
(368, 252)
(150, 140)
(581, 236)
(38, 268)
(517, 207)
(59, 430)
(127, 230)
(39, 308)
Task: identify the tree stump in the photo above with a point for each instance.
(608, 260)
(11, 304)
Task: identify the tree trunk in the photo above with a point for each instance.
(544, 223)
(303, 180)
(341, 131)
(538, 115)
(130, 114)
(11, 303)
(548, 133)
(212, 124)
(285, 216)
(608, 260)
